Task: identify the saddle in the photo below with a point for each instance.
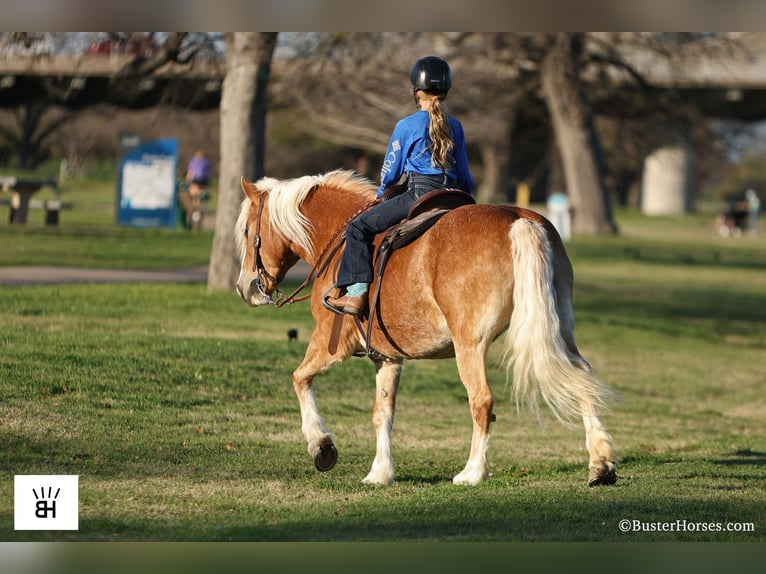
(423, 215)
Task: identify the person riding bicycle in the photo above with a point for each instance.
(198, 175)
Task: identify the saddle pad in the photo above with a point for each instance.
(410, 229)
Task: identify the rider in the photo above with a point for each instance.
(429, 146)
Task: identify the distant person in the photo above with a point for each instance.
(198, 176)
(753, 209)
(559, 214)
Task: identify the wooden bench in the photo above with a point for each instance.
(21, 198)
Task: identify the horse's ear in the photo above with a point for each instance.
(249, 189)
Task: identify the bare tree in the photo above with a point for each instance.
(355, 86)
(29, 124)
(243, 126)
(29, 127)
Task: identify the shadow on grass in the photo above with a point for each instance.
(670, 308)
(744, 457)
(663, 253)
(474, 516)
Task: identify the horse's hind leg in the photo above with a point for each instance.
(471, 364)
(386, 385)
(601, 455)
(320, 443)
(601, 458)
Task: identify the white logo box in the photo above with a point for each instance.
(46, 502)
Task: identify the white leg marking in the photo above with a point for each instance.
(386, 385)
(475, 470)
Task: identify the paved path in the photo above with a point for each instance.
(23, 275)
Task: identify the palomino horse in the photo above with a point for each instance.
(480, 271)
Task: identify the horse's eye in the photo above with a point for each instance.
(245, 231)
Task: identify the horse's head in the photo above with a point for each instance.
(265, 253)
(273, 231)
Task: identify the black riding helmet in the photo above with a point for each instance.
(431, 74)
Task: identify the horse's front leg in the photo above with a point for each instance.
(386, 384)
(320, 442)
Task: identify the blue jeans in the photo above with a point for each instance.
(356, 265)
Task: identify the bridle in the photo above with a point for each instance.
(258, 267)
(317, 269)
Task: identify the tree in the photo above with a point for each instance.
(243, 126)
(46, 103)
(576, 135)
(33, 118)
(30, 128)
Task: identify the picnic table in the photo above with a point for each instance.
(22, 190)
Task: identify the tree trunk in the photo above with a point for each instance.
(492, 189)
(243, 121)
(576, 137)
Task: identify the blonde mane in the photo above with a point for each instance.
(285, 199)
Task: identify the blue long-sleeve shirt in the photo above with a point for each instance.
(408, 151)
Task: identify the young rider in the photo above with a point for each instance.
(429, 146)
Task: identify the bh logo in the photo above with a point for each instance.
(45, 506)
(46, 502)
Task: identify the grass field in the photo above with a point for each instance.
(87, 235)
(174, 405)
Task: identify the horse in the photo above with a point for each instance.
(480, 271)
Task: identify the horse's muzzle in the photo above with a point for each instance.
(252, 295)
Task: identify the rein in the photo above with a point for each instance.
(329, 251)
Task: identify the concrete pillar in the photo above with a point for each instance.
(668, 181)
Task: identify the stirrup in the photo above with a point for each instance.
(327, 305)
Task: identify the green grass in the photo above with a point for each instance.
(87, 235)
(108, 247)
(175, 407)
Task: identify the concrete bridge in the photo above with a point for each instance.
(729, 84)
(77, 81)
(723, 81)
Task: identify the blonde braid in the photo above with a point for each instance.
(440, 132)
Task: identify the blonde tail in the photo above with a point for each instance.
(534, 349)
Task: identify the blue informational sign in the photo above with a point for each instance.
(146, 184)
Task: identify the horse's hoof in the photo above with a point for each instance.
(326, 458)
(602, 475)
